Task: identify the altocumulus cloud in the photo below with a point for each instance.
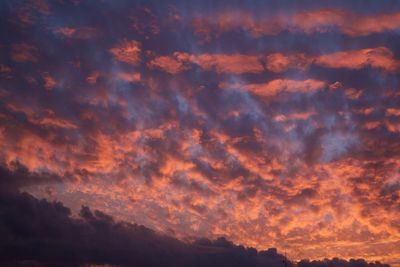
(270, 123)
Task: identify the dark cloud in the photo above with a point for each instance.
(17, 175)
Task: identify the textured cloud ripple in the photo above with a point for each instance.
(267, 123)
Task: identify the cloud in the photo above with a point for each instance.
(128, 77)
(49, 82)
(78, 33)
(334, 261)
(127, 51)
(171, 64)
(45, 233)
(275, 87)
(380, 57)
(236, 64)
(279, 62)
(220, 63)
(308, 22)
(23, 52)
(353, 93)
(294, 116)
(372, 125)
(393, 112)
(15, 175)
(276, 132)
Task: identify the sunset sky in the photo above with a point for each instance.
(273, 124)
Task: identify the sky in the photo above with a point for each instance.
(242, 124)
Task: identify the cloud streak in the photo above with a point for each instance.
(308, 22)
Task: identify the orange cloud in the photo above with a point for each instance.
(171, 64)
(393, 112)
(379, 57)
(225, 63)
(5, 69)
(56, 122)
(364, 25)
(47, 118)
(127, 51)
(336, 85)
(93, 76)
(371, 125)
(221, 63)
(24, 53)
(49, 82)
(353, 93)
(293, 116)
(128, 77)
(323, 20)
(317, 21)
(279, 62)
(26, 12)
(365, 111)
(392, 126)
(275, 87)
